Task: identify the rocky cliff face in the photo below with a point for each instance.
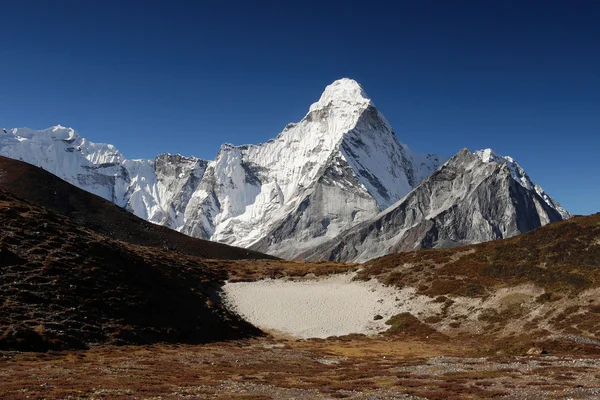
(177, 178)
(467, 200)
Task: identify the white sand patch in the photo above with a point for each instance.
(318, 308)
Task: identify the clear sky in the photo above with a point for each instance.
(522, 77)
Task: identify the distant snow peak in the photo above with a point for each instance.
(60, 132)
(487, 155)
(518, 173)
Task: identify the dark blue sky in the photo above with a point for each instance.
(522, 77)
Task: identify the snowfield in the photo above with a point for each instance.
(319, 308)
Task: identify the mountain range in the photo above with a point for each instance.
(337, 185)
(78, 271)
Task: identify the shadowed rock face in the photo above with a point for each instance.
(466, 201)
(177, 179)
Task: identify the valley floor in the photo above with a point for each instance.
(350, 367)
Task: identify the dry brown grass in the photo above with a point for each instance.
(64, 286)
(563, 257)
(246, 271)
(407, 324)
(267, 369)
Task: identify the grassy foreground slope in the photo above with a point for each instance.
(541, 284)
(65, 286)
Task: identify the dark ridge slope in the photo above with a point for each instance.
(64, 286)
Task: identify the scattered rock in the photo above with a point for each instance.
(536, 351)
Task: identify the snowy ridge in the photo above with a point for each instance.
(342, 93)
(94, 167)
(99, 168)
(519, 175)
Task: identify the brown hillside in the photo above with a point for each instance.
(88, 210)
(536, 289)
(561, 257)
(64, 286)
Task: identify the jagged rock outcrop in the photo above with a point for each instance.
(470, 199)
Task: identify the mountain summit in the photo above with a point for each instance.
(339, 165)
(343, 92)
(337, 168)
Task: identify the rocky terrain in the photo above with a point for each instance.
(395, 368)
(516, 318)
(59, 272)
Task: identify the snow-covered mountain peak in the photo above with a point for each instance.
(62, 133)
(59, 127)
(489, 155)
(57, 132)
(343, 93)
(518, 174)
